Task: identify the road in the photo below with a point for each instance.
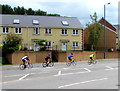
(103, 75)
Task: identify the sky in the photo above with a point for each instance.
(82, 9)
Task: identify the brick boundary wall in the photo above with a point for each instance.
(38, 57)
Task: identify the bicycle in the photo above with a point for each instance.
(22, 66)
(50, 64)
(92, 62)
(71, 63)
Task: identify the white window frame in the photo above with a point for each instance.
(6, 31)
(36, 30)
(19, 30)
(64, 31)
(75, 32)
(48, 44)
(75, 44)
(48, 31)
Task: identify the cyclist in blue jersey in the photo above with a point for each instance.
(71, 57)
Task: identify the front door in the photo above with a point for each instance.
(36, 47)
(64, 46)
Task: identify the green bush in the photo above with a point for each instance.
(109, 49)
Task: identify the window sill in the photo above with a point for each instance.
(64, 34)
(75, 34)
(48, 34)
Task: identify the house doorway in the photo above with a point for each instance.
(64, 46)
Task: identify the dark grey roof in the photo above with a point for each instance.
(44, 21)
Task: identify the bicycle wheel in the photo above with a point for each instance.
(51, 64)
(44, 64)
(30, 65)
(22, 67)
(74, 63)
(68, 63)
(89, 62)
(94, 62)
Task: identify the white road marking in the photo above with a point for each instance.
(87, 69)
(14, 75)
(65, 68)
(82, 82)
(59, 72)
(23, 77)
(110, 68)
(9, 82)
(74, 72)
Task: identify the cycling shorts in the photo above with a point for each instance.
(24, 60)
(70, 58)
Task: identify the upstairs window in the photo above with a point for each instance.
(36, 31)
(35, 22)
(65, 23)
(5, 30)
(18, 31)
(75, 44)
(47, 31)
(75, 32)
(16, 21)
(64, 31)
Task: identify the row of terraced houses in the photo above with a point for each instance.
(60, 33)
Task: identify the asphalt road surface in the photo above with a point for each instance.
(103, 75)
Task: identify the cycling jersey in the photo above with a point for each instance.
(25, 58)
(70, 56)
(92, 55)
(48, 57)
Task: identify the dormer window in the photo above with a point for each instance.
(35, 22)
(65, 23)
(16, 21)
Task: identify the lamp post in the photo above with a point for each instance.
(105, 32)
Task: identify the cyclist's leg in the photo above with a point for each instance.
(24, 63)
(91, 59)
(69, 59)
(72, 59)
(49, 60)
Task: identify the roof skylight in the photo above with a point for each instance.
(65, 23)
(16, 21)
(36, 22)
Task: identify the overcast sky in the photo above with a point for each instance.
(82, 9)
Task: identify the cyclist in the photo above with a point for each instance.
(47, 59)
(71, 57)
(91, 57)
(25, 60)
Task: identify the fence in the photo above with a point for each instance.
(59, 56)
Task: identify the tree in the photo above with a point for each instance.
(41, 43)
(30, 11)
(6, 9)
(94, 31)
(40, 12)
(19, 10)
(11, 43)
(53, 15)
